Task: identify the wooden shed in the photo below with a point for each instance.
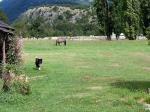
(9, 47)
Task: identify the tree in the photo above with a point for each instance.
(132, 19)
(148, 34)
(36, 29)
(21, 25)
(104, 14)
(145, 13)
(117, 17)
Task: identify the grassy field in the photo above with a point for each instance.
(85, 76)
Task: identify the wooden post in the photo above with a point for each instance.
(4, 74)
(4, 52)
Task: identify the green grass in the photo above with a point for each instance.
(85, 76)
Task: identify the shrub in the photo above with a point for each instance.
(16, 86)
(20, 87)
(16, 69)
(14, 50)
(13, 81)
(16, 94)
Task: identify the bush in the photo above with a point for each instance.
(16, 86)
(16, 69)
(16, 94)
(14, 81)
(13, 50)
(20, 87)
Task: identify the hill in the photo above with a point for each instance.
(13, 8)
(57, 21)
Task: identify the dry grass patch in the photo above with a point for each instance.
(145, 57)
(78, 95)
(115, 65)
(105, 54)
(37, 77)
(141, 101)
(85, 65)
(95, 88)
(146, 68)
(104, 78)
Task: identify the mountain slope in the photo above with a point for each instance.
(57, 21)
(13, 8)
(50, 14)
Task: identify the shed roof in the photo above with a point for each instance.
(5, 28)
(4, 25)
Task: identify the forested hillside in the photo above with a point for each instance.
(57, 21)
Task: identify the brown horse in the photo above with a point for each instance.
(61, 40)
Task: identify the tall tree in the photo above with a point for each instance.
(118, 17)
(104, 14)
(132, 18)
(145, 12)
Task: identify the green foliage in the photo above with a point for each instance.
(61, 26)
(14, 81)
(13, 50)
(36, 29)
(118, 16)
(121, 16)
(20, 88)
(104, 14)
(16, 69)
(101, 14)
(16, 93)
(3, 17)
(21, 25)
(145, 15)
(148, 34)
(132, 19)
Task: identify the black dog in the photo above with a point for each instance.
(38, 62)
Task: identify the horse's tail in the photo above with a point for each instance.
(65, 42)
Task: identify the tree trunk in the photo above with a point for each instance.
(108, 37)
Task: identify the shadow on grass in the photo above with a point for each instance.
(133, 85)
(35, 68)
